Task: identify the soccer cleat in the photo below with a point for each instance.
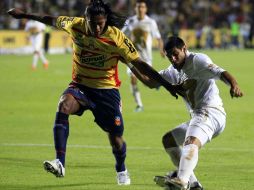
(55, 167)
(33, 67)
(139, 109)
(123, 178)
(193, 186)
(177, 184)
(171, 174)
(160, 180)
(196, 186)
(46, 65)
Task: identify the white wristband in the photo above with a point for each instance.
(130, 65)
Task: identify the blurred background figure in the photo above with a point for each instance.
(47, 35)
(142, 29)
(235, 31)
(36, 30)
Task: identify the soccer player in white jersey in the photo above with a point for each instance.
(194, 75)
(142, 30)
(36, 30)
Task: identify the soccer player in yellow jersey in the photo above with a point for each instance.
(98, 45)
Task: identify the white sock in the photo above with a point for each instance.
(136, 94)
(193, 178)
(175, 155)
(35, 60)
(188, 162)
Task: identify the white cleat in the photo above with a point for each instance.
(55, 167)
(123, 178)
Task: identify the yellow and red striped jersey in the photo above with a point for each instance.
(95, 59)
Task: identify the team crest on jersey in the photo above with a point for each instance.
(117, 121)
(62, 24)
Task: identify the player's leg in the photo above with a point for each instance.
(204, 125)
(35, 52)
(73, 101)
(35, 59)
(119, 151)
(136, 93)
(67, 105)
(43, 59)
(108, 116)
(172, 142)
(38, 46)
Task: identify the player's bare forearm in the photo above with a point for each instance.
(19, 14)
(235, 90)
(149, 72)
(143, 78)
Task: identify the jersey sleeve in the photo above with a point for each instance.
(206, 68)
(126, 48)
(155, 30)
(170, 75)
(64, 23)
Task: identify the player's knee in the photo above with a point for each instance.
(66, 104)
(133, 80)
(168, 140)
(189, 151)
(116, 142)
(192, 140)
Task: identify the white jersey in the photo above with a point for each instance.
(35, 29)
(142, 33)
(198, 75)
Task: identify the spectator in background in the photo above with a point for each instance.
(198, 33)
(224, 36)
(245, 32)
(209, 36)
(35, 30)
(235, 30)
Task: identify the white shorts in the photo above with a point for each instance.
(205, 124)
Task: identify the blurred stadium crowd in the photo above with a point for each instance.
(233, 18)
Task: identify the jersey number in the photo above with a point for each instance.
(129, 45)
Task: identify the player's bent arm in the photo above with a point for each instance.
(235, 90)
(46, 19)
(143, 78)
(146, 70)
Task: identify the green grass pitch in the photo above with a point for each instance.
(28, 103)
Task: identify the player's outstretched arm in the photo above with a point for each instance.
(19, 14)
(151, 77)
(235, 90)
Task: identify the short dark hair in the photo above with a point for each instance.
(173, 42)
(141, 1)
(99, 7)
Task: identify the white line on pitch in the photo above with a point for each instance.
(108, 147)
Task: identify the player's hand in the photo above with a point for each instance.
(172, 90)
(180, 90)
(16, 13)
(235, 91)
